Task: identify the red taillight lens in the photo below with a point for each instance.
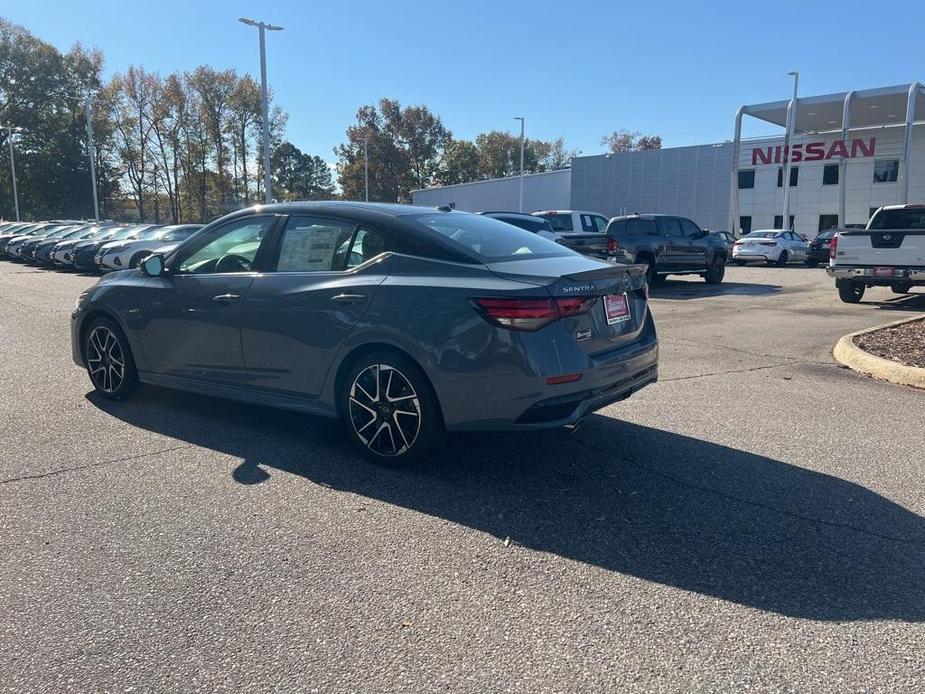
(833, 246)
(532, 314)
(612, 245)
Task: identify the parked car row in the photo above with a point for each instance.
(88, 245)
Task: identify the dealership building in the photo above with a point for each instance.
(849, 154)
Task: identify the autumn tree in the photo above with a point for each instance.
(405, 147)
(630, 141)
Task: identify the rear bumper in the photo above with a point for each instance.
(752, 254)
(865, 275)
(488, 403)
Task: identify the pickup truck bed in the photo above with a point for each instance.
(890, 252)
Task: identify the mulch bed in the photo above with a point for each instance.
(903, 343)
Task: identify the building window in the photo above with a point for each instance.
(747, 179)
(794, 176)
(779, 220)
(745, 224)
(830, 175)
(886, 171)
(827, 221)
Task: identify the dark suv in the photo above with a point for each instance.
(669, 245)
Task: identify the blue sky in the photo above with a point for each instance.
(576, 69)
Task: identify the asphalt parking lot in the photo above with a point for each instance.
(755, 521)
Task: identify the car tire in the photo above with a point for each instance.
(783, 258)
(109, 360)
(901, 287)
(376, 389)
(740, 263)
(716, 271)
(851, 293)
(810, 263)
(137, 258)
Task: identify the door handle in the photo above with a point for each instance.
(349, 298)
(226, 298)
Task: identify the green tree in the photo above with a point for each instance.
(299, 176)
(460, 163)
(37, 88)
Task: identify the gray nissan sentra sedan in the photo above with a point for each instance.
(403, 321)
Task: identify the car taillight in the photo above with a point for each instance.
(612, 245)
(767, 243)
(532, 314)
(833, 246)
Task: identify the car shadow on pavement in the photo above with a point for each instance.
(643, 502)
(902, 302)
(680, 289)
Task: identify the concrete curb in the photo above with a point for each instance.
(848, 353)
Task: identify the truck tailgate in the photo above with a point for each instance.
(586, 243)
(881, 247)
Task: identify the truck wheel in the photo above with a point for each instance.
(901, 287)
(851, 293)
(714, 274)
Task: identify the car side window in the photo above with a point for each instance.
(367, 244)
(600, 223)
(229, 248)
(587, 224)
(312, 244)
(691, 230)
(638, 227)
(670, 226)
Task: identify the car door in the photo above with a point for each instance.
(191, 315)
(800, 247)
(696, 243)
(676, 251)
(298, 314)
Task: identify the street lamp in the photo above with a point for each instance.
(263, 27)
(9, 135)
(521, 119)
(788, 149)
(91, 149)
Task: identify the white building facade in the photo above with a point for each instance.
(851, 153)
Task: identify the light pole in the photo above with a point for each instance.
(9, 135)
(521, 205)
(788, 149)
(263, 27)
(91, 149)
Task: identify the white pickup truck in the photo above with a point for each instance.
(890, 252)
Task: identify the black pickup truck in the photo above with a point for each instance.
(669, 245)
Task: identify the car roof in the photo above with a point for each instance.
(542, 212)
(521, 215)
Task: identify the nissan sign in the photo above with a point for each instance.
(815, 151)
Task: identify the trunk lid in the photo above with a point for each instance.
(619, 312)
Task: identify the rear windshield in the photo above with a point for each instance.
(489, 239)
(535, 225)
(559, 221)
(899, 219)
(762, 235)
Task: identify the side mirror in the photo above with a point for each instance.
(153, 265)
